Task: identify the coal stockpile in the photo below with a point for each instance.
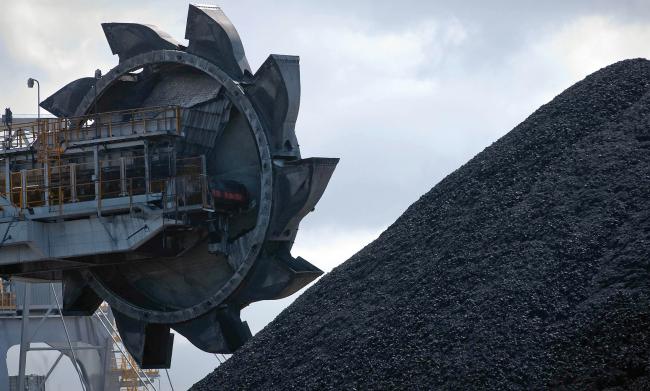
(526, 268)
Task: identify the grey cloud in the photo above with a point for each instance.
(386, 86)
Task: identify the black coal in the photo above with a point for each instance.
(527, 268)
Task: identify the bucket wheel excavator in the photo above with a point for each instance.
(171, 187)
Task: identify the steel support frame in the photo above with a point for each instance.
(24, 339)
(8, 178)
(73, 182)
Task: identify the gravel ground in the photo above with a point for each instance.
(526, 268)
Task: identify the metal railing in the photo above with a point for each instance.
(131, 376)
(7, 301)
(57, 133)
(7, 297)
(74, 182)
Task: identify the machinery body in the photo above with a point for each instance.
(171, 188)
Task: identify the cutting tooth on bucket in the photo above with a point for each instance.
(218, 331)
(150, 344)
(299, 186)
(130, 39)
(275, 92)
(211, 35)
(78, 298)
(277, 275)
(65, 101)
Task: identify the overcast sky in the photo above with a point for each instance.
(403, 92)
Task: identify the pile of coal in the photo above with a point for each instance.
(526, 268)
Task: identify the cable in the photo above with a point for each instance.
(67, 336)
(170, 380)
(221, 359)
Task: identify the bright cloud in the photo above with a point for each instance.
(592, 42)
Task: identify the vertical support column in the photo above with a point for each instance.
(107, 359)
(96, 166)
(177, 112)
(23, 189)
(147, 173)
(98, 181)
(123, 191)
(24, 336)
(4, 373)
(172, 177)
(204, 167)
(204, 183)
(73, 182)
(8, 179)
(46, 182)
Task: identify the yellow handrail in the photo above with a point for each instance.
(60, 190)
(52, 131)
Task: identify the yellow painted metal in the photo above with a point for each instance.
(123, 365)
(7, 299)
(189, 173)
(55, 134)
(51, 137)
